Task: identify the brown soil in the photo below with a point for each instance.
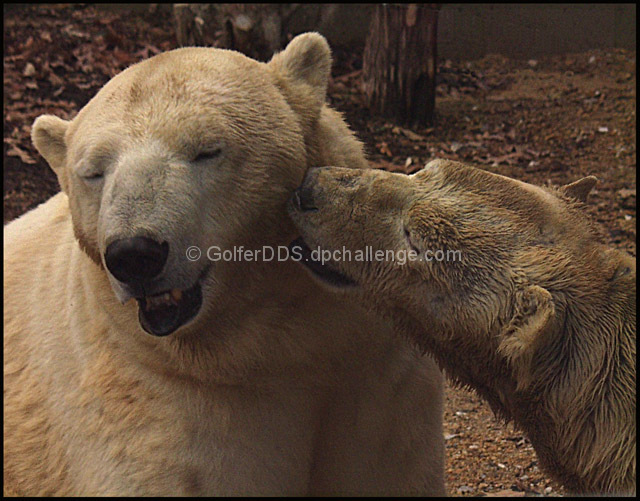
(552, 120)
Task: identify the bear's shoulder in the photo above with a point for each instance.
(37, 223)
(37, 235)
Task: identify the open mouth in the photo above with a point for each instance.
(321, 270)
(161, 314)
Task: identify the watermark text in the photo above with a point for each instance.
(297, 253)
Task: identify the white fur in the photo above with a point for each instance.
(277, 386)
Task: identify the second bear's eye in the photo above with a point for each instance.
(93, 177)
(206, 155)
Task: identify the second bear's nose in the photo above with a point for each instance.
(303, 197)
(136, 259)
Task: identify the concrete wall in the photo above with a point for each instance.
(468, 31)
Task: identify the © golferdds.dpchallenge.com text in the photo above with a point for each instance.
(297, 253)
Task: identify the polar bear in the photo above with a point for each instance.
(507, 285)
(134, 368)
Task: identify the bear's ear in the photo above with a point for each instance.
(533, 311)
(47, 135)
(580, 189)
(302, 71)
(429, 168)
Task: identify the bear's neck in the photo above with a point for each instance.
(558, 413)
(571, 411)
(466, 362)
(577, 412)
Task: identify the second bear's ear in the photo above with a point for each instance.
(302, 72)
(533, 311)
(47, 134)
(581, 188)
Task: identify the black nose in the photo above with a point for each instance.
(136, 259)
(303, 197)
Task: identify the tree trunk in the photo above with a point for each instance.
(399, 64)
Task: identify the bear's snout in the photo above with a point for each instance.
(137, 259)
(322, 183)
(303, 198)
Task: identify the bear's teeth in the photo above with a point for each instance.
(160, 300)
(176, 294)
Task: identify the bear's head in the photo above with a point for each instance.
(482, 269)
(190, 150)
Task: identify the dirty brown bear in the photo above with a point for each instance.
(507, 285)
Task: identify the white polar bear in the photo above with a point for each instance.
(222, 377)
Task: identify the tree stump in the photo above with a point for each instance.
(399, 64)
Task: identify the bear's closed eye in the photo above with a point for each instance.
(207, 155)
(93, 176)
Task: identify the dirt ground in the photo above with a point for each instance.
(549, 120)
